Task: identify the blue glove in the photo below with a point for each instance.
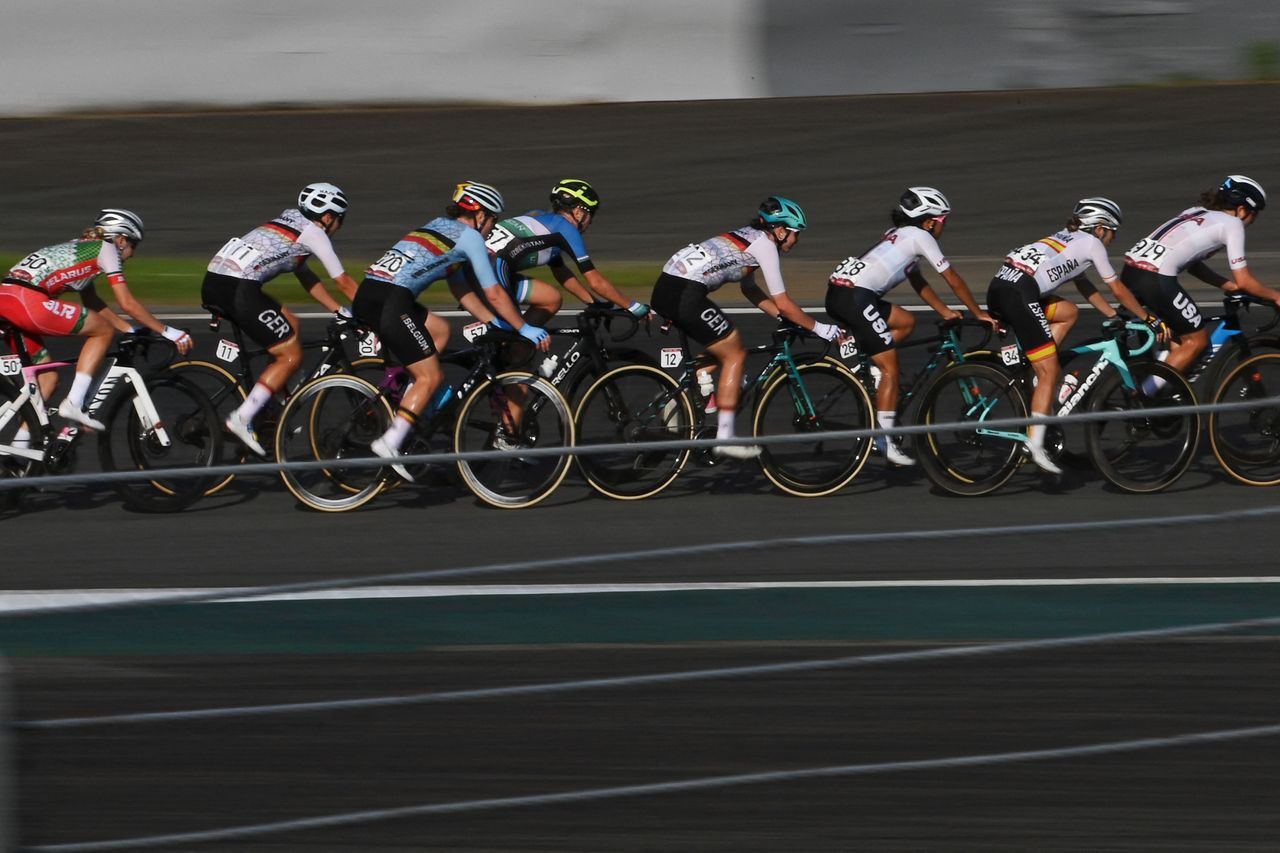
(500, 324)
(533, 334)
(638, 309)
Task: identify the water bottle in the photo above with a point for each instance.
(1069, 383)
(549, 365)
(705, 384)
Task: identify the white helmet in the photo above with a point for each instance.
(473, 196)
(1096, 211)
(317, 199)
(923, 201)
(116, 222)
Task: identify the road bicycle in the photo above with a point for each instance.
(641, 404)
(1229, 344)
(594, 349)
(228, 386)
(1144, 453)
(335, 418)
(153, 420)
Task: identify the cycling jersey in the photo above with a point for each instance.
(430, 253)
(731, 256)
(1191, 236)
(68, 266)
(1059, 258)
(535, 239)
(281, 245)
(890, 261)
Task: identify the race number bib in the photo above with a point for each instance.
(10, 365)
(369, 345)
(1146, 251)
(849, 270)
(228, 351)
(1028, 258)
(474, 330)
(692, 258)
(389, 264)
(848, 347)
(671, 357)
(238, 255)
(1009, 355)
(498, 238)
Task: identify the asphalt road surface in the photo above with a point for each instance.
(1012, 747)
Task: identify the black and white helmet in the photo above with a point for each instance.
(1096, 211)
(320, 198)
(117, 222)
(472, 196)
(919, 202)
(1239, 190)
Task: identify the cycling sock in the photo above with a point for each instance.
(724, 423)
(1035, 435)
(257, 398)
(80, 389)
(886, 421)
(395, 434)
(1151, 385)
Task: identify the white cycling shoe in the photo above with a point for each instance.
(737, 451)
(1041, 459)
(242, 431)
(68, 410)
(382, 450)
(895, 455)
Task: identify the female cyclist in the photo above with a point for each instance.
(234, 280)
(28, 300)
(681, 295)
(1021, 297)
(387, 299)
(1152, 266)
(856, 290)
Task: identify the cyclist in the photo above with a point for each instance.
(1152, 266)
(1021, 297)
(235, 277)
(29, 301)
(682, 290)
(387, 299)
(857, 287)
(541, 238)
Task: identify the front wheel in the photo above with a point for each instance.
(634, 404)
(971, 459)
(1150, 451)
(226, 394)
(826, 398)
(513, 412)
(14, 417)
(333, 418)
(187, 434)
(1246, 441)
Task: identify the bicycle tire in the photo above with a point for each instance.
(585, 378)
(226, 394)
(1246, 442)
(512, 481)
(1146, 453)
(967, 462)
(1226, 360)
(633, 403)
(189, 425)
(840, 402)
(334, 417)
(12, 416)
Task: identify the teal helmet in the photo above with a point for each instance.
(776, 210)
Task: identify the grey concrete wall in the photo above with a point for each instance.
(68, 55)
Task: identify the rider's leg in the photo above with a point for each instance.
(731, 355)
(427, 376)
(544, 302)
(1062, 315)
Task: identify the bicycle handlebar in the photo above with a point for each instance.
(1235, 300)
(597, 314)
(968, 322)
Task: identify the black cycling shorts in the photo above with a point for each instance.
(1164, 297)
(398, 318)
(1013, 298)
(864, 314)
(688, 305)
(245, 304)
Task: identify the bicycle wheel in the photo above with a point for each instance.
(225, 394)
(1246, 442)
(187, 435)
(1150, 451)
(13, 415)
(827, 398)
(515, 411)
(972, 460)
(1226, 360)
(335, 417)
(633, 404)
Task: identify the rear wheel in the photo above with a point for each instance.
(1246, 442)
(633, 404)
(515, 411)
(971, 460)
(332, 418)
(1150, 451)
(225, 394)
(827, 398)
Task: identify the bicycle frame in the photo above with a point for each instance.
(235, 352)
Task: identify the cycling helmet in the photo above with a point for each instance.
(122, 223)
(472, 196)
(1240, 189)
(919, 202)
(572, 192)
(1096, 211)
(776, 210)
(317, 199)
